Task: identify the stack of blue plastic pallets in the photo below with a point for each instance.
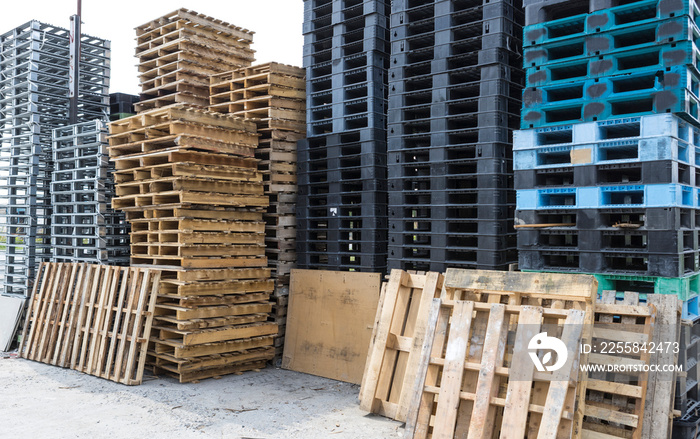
(455, 85)
(607, 162)
(342, 208)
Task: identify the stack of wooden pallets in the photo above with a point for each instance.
(188, 182)
(179, 51)
(273, 96)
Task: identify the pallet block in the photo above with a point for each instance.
(473, 382)
(95, 319)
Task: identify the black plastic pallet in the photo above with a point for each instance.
(619, 262)
(653, 218)
(653, 172)
(672, 242)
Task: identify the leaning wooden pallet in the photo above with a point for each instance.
(189, 184)
(179, 51)
(273, 96)
(92, 318)
(614, 403)
(503, 400)
(393, 359)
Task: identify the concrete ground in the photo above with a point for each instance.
(42, 401)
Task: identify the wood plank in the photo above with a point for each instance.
(558, 388)
(483, 413)
(451, 383)
(520, 383)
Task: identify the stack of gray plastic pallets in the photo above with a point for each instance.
(34, 81)
(84, 227)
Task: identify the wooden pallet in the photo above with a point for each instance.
(188, 197)
(182, 153)
(92, 318)
(549, 290)
(165, 170)
(507, 396)
(394, 353)
(614, 403)
(191, 19)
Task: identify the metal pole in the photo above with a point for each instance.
(74, 75)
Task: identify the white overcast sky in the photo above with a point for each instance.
(277, 25)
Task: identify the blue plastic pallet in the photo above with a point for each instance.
(619, 17)
(637, 127)
(655, 57)
(536, 10)
(631, 150)
(681, 101)
(629, 86)
(650, 34)
(654, 195)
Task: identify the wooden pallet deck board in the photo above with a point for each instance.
(94, 319)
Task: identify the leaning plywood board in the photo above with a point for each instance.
(330, 317)
(10, 312)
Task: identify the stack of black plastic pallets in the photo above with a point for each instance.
(455, 85)
(342, 208)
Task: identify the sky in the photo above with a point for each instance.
(277, 25)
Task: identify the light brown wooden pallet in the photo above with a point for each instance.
(184, 197)
(190, 243)
(210, 366)
(92, 318)
(189, 183)
(195, 251)
(177, 350)
(216, 322)
(182, 153)
(229, 173)
(614, 403)
(228, 56)
(196, 212)
(169, 73)
(392, 361)
(188, 377)
(173, 87)
(201, 262)
(193, 115)
(465, 336)
(188, 18)
(138, 141)
(206, 307)
(188, 225)
(176, 274)
(191, 337)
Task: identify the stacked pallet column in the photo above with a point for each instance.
(606, 167)
(455, 83)
(34, 83)
(342, 209)
(179, 51)
(273, 96)
(188, 182)
(84, 227)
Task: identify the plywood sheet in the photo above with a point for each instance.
(10, 311)
(329, 323)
